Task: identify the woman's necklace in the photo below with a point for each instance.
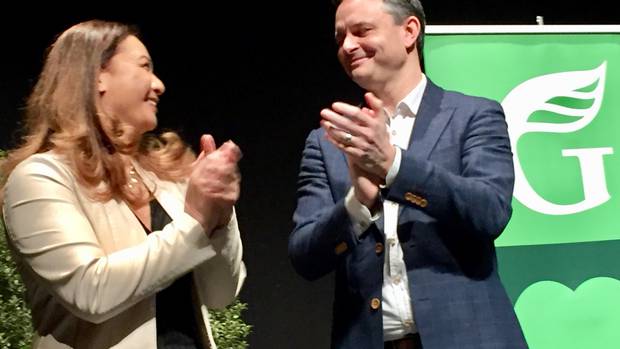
(133, 178)
(137, 185)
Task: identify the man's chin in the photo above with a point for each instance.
(361, 79)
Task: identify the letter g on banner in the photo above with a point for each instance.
(535, 95)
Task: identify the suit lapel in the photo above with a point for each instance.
(431, 120)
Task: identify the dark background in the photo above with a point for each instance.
(256, 73)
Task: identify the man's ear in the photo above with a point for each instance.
(412, 27)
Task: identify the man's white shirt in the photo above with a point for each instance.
(396, 305)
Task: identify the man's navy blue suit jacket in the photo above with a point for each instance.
(454, 187)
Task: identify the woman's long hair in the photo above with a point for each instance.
(62, 115)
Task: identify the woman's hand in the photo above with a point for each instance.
(214, 184)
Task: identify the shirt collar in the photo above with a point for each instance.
(409, 105)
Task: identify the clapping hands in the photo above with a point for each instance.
(214, 184)
(362, 135)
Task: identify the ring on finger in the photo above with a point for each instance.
(347, 138)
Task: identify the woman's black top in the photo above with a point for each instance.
(175, 314)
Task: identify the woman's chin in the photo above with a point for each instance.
(150, 124)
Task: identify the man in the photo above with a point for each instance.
(406, 215)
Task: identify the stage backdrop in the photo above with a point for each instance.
(559, 257)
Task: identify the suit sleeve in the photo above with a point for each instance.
(55, 241)
(476, 196)
(323, 228)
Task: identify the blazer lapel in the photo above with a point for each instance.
(430, 122)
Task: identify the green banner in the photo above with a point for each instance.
(560, 254)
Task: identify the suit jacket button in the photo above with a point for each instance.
(375, 303)
(410, 197)
(378, 248)
(341, 248)
(423, 203)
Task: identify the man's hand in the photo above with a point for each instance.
(365, 186)
(214, 184)
(362, 134)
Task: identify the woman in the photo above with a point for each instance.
(123, 239)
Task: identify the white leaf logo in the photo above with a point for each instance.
(536, 95)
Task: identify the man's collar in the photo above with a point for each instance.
(409, 105)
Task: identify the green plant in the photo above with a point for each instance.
(229, 329)
(15, 325)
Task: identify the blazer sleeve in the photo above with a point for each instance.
(323, 228)
(53, 238)
(220, 278)
(476, 194)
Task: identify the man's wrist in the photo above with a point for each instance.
(393, 170)
(369, 204)
(360, 215)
